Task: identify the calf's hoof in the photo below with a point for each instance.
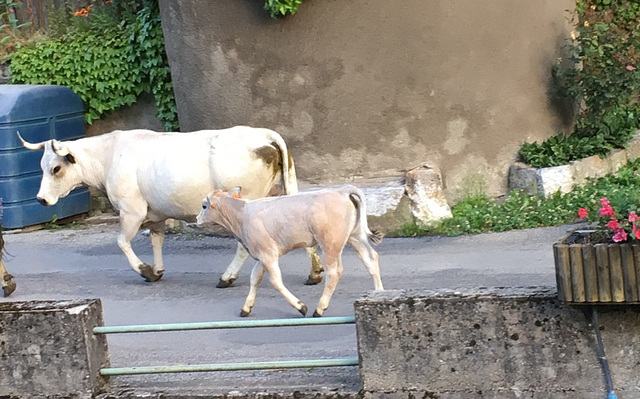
(9, 288)
(313, 280)
(303, 310)
(244, 313)
(316, 314)
(225, 283)
(149, 275)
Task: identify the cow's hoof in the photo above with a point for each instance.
(303, 310)
(147, 272)
(9, 288)
(225, 283)
(244, 313)
(316, 314)
(313, 280)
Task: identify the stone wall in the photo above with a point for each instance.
(367, 89)
(493, 343)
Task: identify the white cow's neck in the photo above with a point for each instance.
(231, 214)
(93, 157)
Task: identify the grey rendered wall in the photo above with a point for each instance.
(369, 88)
(491, 343)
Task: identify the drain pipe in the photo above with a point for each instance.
(603, 359)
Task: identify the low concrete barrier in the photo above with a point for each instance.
(48, 349)
(492, 343)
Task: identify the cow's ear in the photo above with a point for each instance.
(70, 158)
(235, 192)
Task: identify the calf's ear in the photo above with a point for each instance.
(235, 192)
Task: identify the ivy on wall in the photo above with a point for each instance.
(280, 8)
(108, 55)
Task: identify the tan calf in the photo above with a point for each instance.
(271, 227)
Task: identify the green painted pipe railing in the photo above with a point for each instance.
(190, 368)
(224, 324)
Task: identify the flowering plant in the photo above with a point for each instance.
(609, 227)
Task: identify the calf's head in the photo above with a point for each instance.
(211, 211)
(60, 172)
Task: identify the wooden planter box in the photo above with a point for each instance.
(596, 273)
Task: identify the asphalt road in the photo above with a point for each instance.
(86, 262)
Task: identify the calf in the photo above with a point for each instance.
(271, 227)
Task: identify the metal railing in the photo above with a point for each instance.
(189, 368)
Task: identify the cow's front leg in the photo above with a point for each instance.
(157, 238)
(315, 275)
(129, 225)
(231, 274)
(8, 286)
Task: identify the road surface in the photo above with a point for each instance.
(85, 262)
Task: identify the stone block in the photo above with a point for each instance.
(523, 178)
(633, 147)
(505, 343)
(553, 179)
(428, 202)
(48, 349)
(617, 159)
(590, 167)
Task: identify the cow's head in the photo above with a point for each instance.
(211, 212)
(60, 172)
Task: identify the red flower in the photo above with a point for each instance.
(621, 235)
(633, 217)
(631, 68)
(613, 224)
(604, 201)
(583, 213)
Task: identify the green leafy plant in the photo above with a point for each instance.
(278, 8)
(603, 81)
(479, 214)
(10, 28)
(109, 55)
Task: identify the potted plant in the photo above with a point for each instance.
(600, 264)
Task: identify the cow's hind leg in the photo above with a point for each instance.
(256, 278)
(157, 238)
(129, 225)
(231, 273)
(8, 285)
(315, 275)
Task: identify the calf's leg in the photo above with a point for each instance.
(333, 261)
(231, 273)
(369, 257)
(275, 276)
(256, 278)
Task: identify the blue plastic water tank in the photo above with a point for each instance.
(39, 113)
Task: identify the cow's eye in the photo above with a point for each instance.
(56, 169)
(204, 206)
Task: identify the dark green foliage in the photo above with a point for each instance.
(479, 213)
(603, 81)
(108, 58)
(278, 8)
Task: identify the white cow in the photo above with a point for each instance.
(271, 227)
(150, 177)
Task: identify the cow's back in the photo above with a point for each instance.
(172, 172)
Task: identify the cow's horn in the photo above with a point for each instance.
(31, 146)
(60, 149)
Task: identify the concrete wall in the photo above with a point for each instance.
(368, 88)
(48, 349)
(502, 343)
(140, 115)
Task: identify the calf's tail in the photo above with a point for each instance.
(357, 197)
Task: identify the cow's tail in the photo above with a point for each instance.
(288, 172)
(357, 197)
